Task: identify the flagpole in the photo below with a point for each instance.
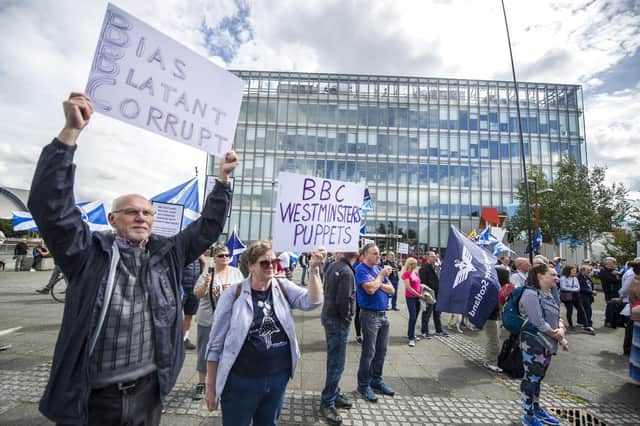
(522, 155)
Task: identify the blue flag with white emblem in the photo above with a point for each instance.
(468, 281)
(185, 194)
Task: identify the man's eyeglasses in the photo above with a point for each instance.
(266, 263)
(136, 212)
(221, 255)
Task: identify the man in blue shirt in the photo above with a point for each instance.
(372, 293)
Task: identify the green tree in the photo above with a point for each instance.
(518, 222)
(580, 205)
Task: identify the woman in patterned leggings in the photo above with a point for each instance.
(538, 306)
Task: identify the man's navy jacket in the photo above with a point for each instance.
(85, 258)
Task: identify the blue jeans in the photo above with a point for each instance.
(375, 337)
(394, 297)
(426, 314)
(257, 398)
(336, 332)
(413, 305)
(304, 275)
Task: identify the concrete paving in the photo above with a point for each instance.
(439, 381)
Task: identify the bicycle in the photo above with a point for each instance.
(59, 288)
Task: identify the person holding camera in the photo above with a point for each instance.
(207, 289)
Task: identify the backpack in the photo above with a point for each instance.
(510, 358)
(511, 318)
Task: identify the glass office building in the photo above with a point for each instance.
(433, 152)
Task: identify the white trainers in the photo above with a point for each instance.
(412, 343)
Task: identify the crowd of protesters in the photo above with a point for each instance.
(132, 296)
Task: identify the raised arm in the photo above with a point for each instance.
(51, 200)
(201, 233)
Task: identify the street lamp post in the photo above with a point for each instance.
(535, 199)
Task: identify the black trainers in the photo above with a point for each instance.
(343, 401)
(330, 413)
(44, 290)
(198, 392)
(188, 345)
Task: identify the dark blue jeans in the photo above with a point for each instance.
(413, 305)
(394, 296)
(336, 332)
(375, 337)
(257, 398)
(426, 314)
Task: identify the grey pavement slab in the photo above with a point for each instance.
(439, 381)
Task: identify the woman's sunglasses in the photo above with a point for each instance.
(266, 263)
(221, 255)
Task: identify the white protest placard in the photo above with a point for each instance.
(144, 78)
(168, 218)
(403, 248)
(314, 212)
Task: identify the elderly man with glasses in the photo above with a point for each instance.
(120, 347)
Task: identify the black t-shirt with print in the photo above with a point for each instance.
(266, 349)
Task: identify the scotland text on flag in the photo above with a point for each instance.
(469, 282)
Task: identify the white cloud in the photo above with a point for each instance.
(48, 46)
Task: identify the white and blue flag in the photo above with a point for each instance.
(93, 213)
(486, 238)
(468, 282)
(501, 247)
(236, 247)
(185, 194)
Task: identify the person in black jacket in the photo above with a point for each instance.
(337, 312)
(123, 287)
(429, 277)
(19, 253)
(610, 279)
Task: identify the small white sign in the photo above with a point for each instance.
(365, 241)
(168, 218)
(209, 183)
(314, 212)
(403, 248)
(142, 77)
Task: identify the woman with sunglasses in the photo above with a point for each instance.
(253, 349)
(539, 340)
(208, 289)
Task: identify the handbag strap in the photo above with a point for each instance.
(213, 304)
(115, 258)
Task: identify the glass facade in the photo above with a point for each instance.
(432, 152)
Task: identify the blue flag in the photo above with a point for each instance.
(93, 213)
(486, 238)
(501, 248)
(185, 194)
(236, 248)
(537, 241)
(363, 229)
(468, 282)
(367, 203)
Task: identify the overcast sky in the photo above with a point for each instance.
(47, 48)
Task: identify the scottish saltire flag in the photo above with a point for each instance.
(501, 247)
(363, 229)
(236, 248)
(185, 194)
(468, 281)
(537, 241)
(22, 221)
(367, 203)
(93, 213)
(486, 238)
